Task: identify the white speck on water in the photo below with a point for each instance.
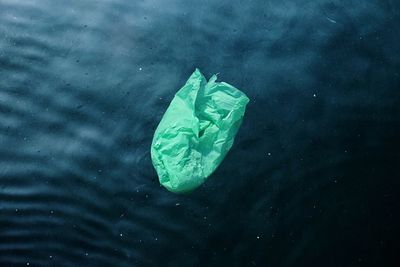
(258, 237)
(27, 263)
(314, 95)
(16, 210)
(50, 257)
(178, 204)
(140, 69)
(269, 153)
(86, 254)
(331, 20)
(120, 235)
(51, 212)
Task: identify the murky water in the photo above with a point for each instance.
(312, 179)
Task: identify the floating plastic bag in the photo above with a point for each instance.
(196, 132)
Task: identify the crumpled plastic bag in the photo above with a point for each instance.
(196, 132)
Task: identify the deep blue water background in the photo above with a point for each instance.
(313, 176)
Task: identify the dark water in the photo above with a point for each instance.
(313, 177)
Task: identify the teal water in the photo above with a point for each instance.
(313, 176)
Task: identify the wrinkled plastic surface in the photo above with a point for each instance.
(196, 132)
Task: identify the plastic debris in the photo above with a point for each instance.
(196, 132)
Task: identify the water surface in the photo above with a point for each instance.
(313, 176)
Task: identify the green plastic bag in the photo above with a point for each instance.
(196, 132)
